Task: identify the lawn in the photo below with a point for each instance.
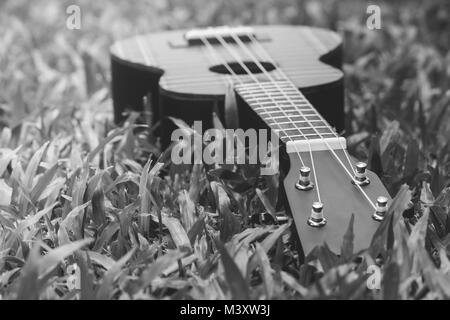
(90, 210)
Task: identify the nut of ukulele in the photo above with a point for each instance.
(317, 220)
(304, 183)
(381, 209)
(360, 175)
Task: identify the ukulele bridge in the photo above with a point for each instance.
(225, 32)
(214, 35)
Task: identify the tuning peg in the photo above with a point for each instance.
(381, 208)
(360, 174)
(317, 219)
(304, 183)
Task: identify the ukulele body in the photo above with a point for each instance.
(180, 82)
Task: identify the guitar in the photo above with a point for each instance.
(285, 78)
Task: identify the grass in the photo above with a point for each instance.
(84, 214)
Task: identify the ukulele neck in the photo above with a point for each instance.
(287, 111)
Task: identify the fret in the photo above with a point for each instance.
(274, 90)
(267, 101)
(279, 103)
(302, 128)
(277, 115)
(261, 102)
(273, 94)
(293, 125)
(298, 136)
(290, 113)
(283, 103)
(288, 124)
(308, 112)
(276, 108)
(316, 124)
(313, 136)
(324, 129)
(289, 102)
(321, 129)
(308, 131)
(303, 132)
(293, 112)
(286, 121)
(298, 120)
(285, 138)
(312, 118)
(279, 98)
(266, 85)
(283, 114)
(285, 110)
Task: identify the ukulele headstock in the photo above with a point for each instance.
(343, 192)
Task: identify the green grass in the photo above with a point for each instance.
(84, 214)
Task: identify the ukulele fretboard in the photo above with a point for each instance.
(286, 110)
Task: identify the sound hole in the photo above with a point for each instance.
(238, 68)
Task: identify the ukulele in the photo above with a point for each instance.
(285, 78)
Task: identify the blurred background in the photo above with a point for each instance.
(54, 87)
(397, 78)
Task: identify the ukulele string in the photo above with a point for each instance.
(170, 81)
(273, 81)
(318, 134)
(237, 78)
(215, 59)
(282, 74)
(257, 82)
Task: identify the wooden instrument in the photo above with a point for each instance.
(286, 78)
